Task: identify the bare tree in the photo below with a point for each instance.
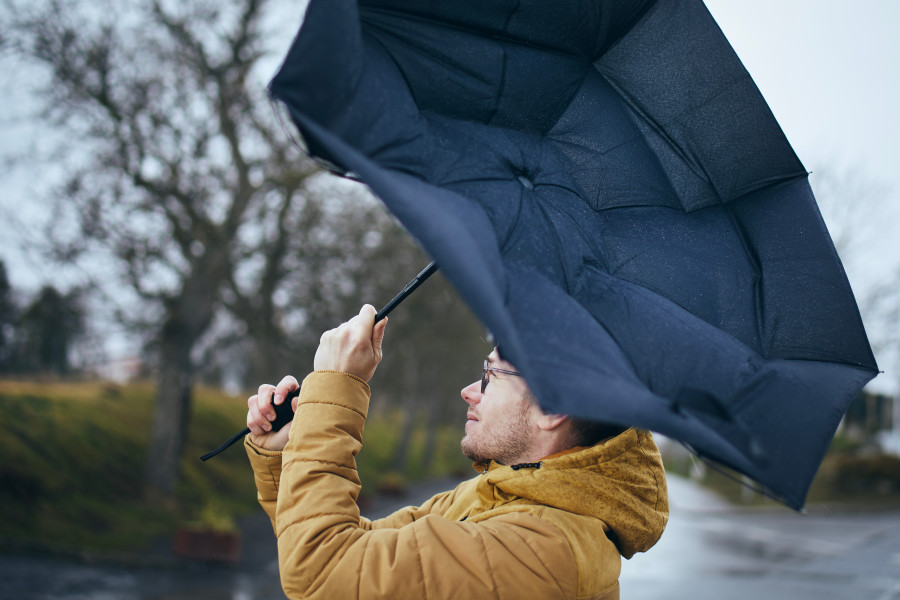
(851, 203)
(856, 206)
(860, 212)
(176, 166)
(881, 311)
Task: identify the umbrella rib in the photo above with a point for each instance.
(470, 31)
(500, 87)
(756, 265)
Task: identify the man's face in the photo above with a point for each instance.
(500, 422)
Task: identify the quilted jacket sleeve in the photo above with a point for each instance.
(266, 474)
(324, 552)
(407, 515)
(266, 466)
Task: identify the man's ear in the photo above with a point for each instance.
(550, 421)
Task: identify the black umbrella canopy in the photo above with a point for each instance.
(606, 187)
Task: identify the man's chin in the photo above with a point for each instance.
(470, 452)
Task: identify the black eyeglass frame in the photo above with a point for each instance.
(487, 368)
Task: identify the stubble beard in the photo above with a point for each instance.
(504, 441)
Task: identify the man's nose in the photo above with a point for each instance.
(471, 393)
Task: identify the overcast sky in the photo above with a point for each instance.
(829, 69)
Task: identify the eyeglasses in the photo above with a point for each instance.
(485, 378)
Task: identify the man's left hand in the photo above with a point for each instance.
(354, 347)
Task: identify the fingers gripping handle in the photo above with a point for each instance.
(284, 414)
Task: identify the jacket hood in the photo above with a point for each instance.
(620, 481)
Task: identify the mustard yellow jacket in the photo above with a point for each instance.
(551, 531)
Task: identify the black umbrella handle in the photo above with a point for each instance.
(406, 291)
(284, 413)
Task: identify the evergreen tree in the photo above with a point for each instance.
(7, 319)
(47, 331)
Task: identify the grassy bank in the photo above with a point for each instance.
(73, 454)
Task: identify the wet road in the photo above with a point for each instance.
(255, 577)
(708, 551)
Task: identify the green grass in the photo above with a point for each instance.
(73, 455)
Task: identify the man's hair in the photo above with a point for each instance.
(588, 433)
(585, 432)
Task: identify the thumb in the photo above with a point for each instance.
(378, 336)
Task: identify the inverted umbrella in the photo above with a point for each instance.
(607, 189)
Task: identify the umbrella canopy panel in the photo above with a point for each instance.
(606, 187)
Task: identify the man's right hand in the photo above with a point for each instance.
(261, 413)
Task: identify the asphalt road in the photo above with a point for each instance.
(709, 551)
(712, 551)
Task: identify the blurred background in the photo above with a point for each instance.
(166, 247)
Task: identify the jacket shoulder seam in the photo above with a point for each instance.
(537, 514)
(419, 561)
(360, 578)
(487, 559)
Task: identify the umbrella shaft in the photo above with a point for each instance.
(406, 291)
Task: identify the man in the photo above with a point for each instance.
(544, 519)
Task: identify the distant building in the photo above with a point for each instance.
(870, 418)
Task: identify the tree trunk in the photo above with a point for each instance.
(435, 412)
(410, 418)
(270, 359)
(170, 416)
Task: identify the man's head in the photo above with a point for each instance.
(505, 423)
